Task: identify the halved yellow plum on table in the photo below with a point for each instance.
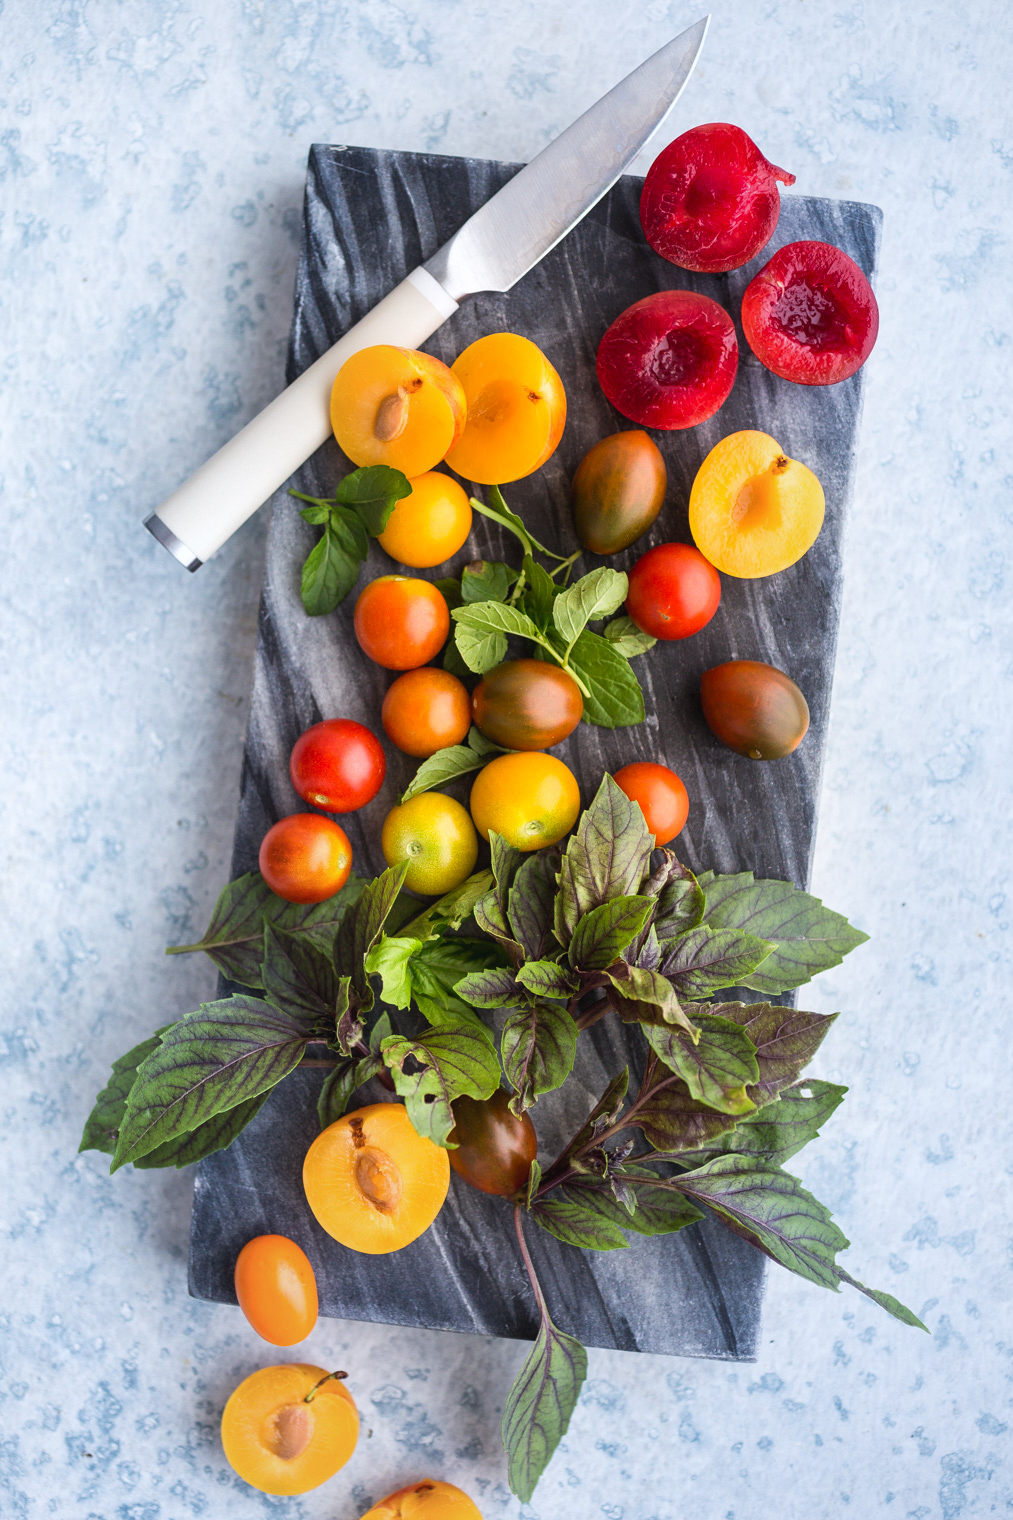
(752, 510)
(398, 407)
(428, 1500)
(516, 409)
(289, 1428)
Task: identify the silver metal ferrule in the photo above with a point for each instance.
(176, 547)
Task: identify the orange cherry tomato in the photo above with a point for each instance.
(531, 799)
(277, 1289)
(662, 797)
(337, 765)
(401, 622)
(425, 710)
(305, 858)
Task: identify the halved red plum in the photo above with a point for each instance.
(669, 361)
(710, 200)
(810, 314)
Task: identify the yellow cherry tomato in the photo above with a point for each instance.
(434, 834)
(431, 524)
(530, 799)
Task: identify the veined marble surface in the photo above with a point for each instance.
(151, 167)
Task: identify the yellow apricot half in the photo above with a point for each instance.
(752, 510)
(374, 1183)
(284, 1434)
(428, 1500)
(516, 409)
(396, 406)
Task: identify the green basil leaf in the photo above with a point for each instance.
(607, 856)
(452, 909)
(436, 969)
(450, 590)
(318, 514)
(102, 1127)
(297, 976)
(486, 581)
(602, 934)
(537, 1048)
(705, 960)
(373, 492)
(495, 988)
(779, 1129)
(329, 572)
(571, 1217)
(482, 629)
(479, 651)
(234, 939)
(717, 1068)
(450, 1062)
(388, 959)
(215, 1134)
(627, 638)
(547, 979)
(207, 1063)
(615, 699)
(681, 901)
(530, 903)
(363, 925)
(539, 1405)
(453, 663)
(807, 937)
(786, 1039)
(594, 596)
(448, 763)
(540, 594)
(639, 986)
(481, 745)
(336, 1093)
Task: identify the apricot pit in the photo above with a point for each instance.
(516, 409)
(752, 510)
(287, 1429)
(396, 406)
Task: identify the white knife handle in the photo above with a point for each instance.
(208, 508)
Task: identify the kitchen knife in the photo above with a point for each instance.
(496, 246)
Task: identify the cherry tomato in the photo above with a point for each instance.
(527, 704)
(338, 765)
(425, 710)
(531, 799)
(277, 1289)
(674, 591)
(434, 834)
(495, 1148)
(662, 797)
(401, 622)
(429, 526)
(305, 858)
(754, 708)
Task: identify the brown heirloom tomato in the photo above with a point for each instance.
(617, 491)
(425, 710)
(527, 704)
(305, 858)
(662, 797)
(401, 622)
(754, 708)
(495, 1148)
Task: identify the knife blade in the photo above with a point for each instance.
(494, 249)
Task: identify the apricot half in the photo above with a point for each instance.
(752, 510)
(428, 1500)
(288, 1429)
(374, 1183)
(397, 407)
(516, 409)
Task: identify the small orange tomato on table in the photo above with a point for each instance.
(425, 710)
(401, 622)
(277, 1289)
(305, 858)
(662, 797)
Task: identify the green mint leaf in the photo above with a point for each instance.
(373, 492)
(450, 1062)
(607, 856)
(594, 596)
(807, 937)
(297, 976)
(537, 1048)
(530, 903)
(454, 664)
(495, 988)
(779, 1129)
(451, 910)
(207, 1063)
(786, 1040)
(681, 900)
(102, 1127)
(388, 959)
(479, 651)
(614, 698)
(482, 630)
(716, 1068)
(602, 934)
(885, 1301)
(548, 980)
(331, 568)
(215, 1134)
(318, 514)
(486, 581)
(704, 960)
(481, 745)
(540, 593)
(234, 939)
(627, 638)
(570, 1215)
(539, 1405)
(448, 763)
(450, 590)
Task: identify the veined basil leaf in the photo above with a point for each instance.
(807, 937)
(495, 988)
(102, 1127)
(331, 568)
(540, 1403)
(779, 1129)
(537, 1048)
(681, 901)
(215, 1134)
(786, 1040)
(572, 1218)
(482, 630)
(614, 698)
(603, 933)
(450, 1062)
(437, 967)
(607, 856)
(372, 492)
(530, 902)
(705, 960)
(540, 594)
(548, 979)
(717, 1068)
(298, 977)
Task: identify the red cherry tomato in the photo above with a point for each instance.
(662, 797)
(277, 1289)
(673, 591)
(305, 858)
(338, 765)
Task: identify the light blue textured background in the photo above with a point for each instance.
(151, 164)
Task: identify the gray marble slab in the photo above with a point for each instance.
(370, 217)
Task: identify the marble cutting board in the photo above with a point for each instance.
(370, 217)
